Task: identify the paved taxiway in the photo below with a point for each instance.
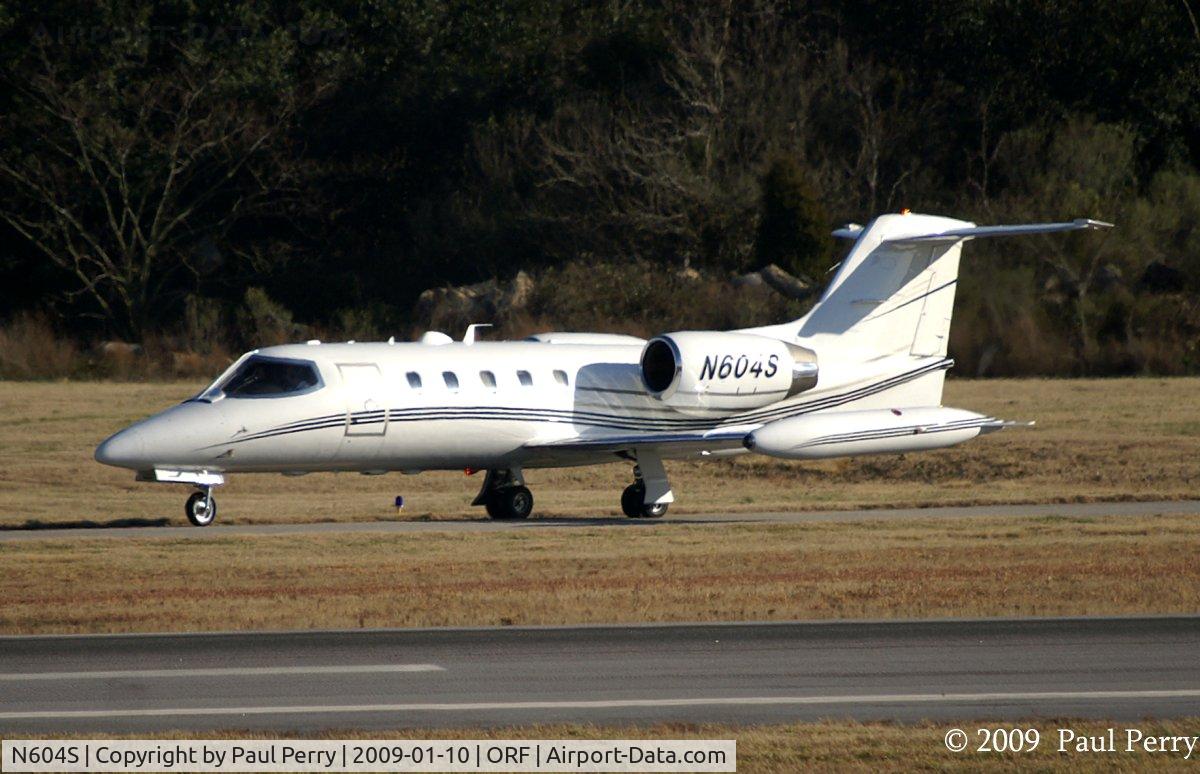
(1065, 510)
(1122, 668)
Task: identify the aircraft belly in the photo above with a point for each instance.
(449, 444)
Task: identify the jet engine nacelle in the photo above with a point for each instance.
(704, 372)
(851, 433)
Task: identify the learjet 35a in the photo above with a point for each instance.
(861, 373)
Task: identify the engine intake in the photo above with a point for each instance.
(707, 372)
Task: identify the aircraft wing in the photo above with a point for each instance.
(677, 442)
(955, 234)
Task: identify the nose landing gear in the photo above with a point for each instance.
(201, 508)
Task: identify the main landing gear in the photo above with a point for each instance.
(650, 493)
(201, 508)
(505, 495)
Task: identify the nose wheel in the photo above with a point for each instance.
(201, 508)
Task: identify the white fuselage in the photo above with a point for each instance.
(411, 406)
(861, 373)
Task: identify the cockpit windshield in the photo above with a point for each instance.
(265, 377)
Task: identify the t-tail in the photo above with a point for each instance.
(891, 299)
(880, 333)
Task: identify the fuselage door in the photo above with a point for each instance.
(362, 387)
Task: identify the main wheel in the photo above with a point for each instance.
(511, 502)
(634, 506)
(201, 509)
(631, 500)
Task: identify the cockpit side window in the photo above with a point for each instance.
(268, 377)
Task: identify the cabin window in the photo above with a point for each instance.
(560, 377)
(488, 378)
(524, 378)
(451, 380)
(268, 377)
(414, 380)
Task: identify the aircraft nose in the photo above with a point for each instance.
(126, 449)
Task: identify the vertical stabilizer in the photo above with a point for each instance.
(893, 295)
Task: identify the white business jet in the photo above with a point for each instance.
(861, 373)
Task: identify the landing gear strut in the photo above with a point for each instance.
(201, 508)
(505, 495)
(650, 494)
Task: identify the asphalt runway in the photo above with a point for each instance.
(483, 524)
(1118, 668)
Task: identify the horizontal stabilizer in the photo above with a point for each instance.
(955, 234)
(1001, 424)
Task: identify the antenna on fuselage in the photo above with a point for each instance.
(469, 336)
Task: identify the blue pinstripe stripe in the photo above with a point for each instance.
(589, 418)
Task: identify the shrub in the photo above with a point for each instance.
(793, 230)
(31, 349)
(263, 322)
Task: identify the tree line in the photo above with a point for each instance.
(169, 169)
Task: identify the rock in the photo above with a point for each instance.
(119, 349)
(688, 274)
(521, 291)
(1161, 278)
(785, 284)
(450, 308)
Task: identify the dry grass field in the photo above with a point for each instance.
(1096, 440)
(831, 745)
(719, 572)
(1110, 439)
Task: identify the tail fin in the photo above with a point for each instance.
(893, 294)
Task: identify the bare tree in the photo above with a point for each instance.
(865, 134)
(1080, 167)
(669, 168)
(128, 184)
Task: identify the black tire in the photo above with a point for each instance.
(634, 506)
(631, 500)
(510, 503)
(201, 509)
